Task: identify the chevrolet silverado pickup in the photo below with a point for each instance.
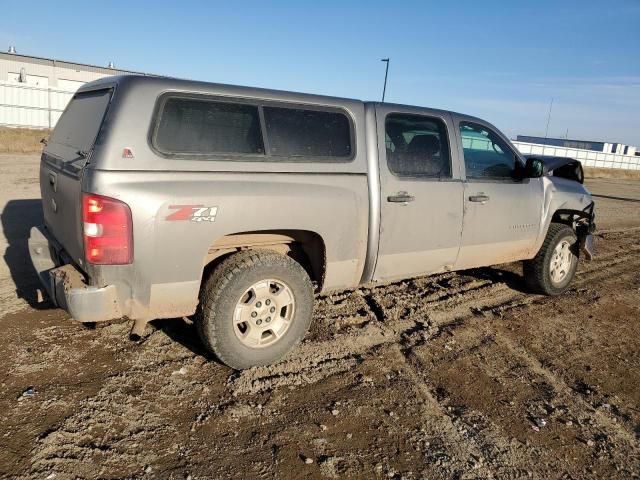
(168, 198)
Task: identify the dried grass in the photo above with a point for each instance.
(21, 140)
(592, 172)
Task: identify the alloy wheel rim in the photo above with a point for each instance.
(560, 263)
(264, 313)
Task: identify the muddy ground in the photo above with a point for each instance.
(454, 376)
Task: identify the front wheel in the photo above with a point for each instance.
(254, 308)
(553, 268)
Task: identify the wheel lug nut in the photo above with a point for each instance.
(268, 319)
(259, 304)
(258, 322)
(268, 302)
(254, 314)
(272, 309)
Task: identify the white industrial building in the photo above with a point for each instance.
(34, 91)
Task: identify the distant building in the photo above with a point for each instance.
(34, 91)
(604, 147)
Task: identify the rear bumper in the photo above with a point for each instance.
(66, 286)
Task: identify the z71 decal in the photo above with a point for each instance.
(194, 213)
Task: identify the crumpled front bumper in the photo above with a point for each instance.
(66, 285)
(585, 233)
(587, 246)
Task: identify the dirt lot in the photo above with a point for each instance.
(450, 376)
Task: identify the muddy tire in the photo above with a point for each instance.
(553, 268)
(255, 307)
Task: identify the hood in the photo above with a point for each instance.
(563, 167)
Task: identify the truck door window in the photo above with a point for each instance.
(417, 146)
(486, 155)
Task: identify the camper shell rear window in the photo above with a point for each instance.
(80, 123)
(205, 127)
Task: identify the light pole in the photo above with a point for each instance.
(386, 73)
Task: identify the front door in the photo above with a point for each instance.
(501, 212)
(421, 193)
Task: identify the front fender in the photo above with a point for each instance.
(560, 194)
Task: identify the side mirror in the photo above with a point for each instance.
(534, 168)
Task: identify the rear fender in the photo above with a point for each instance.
(306, 247)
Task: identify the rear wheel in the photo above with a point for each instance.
(553, 268)
(254, 308)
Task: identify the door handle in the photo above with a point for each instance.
(401, 197)
(53, 180)
(479, 198)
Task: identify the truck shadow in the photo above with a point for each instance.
(514, 281)
(185, 334)
(18, 217)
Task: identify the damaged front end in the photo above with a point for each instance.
(583, 223)
(570, 198)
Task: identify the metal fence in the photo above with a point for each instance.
(30, 106)
(589, 158)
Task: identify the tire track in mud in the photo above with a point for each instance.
(494, 453)
(469, 443)
(314, 360)
(609, 260)
(438, 422)
(311, 362)
(477, 341)
(568, 393)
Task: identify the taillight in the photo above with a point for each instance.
(107, 230)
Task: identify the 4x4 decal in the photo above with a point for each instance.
(194, 213)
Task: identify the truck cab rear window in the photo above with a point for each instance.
(201, 126)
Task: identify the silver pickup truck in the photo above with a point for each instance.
(168, 198)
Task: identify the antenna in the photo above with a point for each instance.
(386, 73)
(546, 132)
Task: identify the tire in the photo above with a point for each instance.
(230, 297)
(544, 273)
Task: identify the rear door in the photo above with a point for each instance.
(501, 212)
(62, 164)
(421, 192)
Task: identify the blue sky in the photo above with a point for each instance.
(502, 61)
